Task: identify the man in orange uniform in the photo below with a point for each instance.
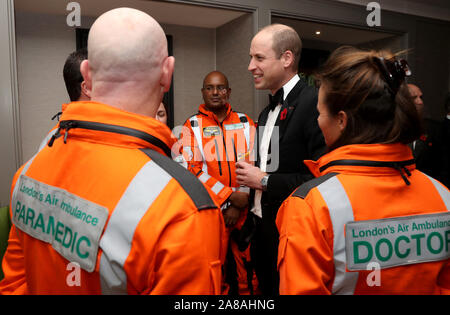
(213, 140)
(101, 209)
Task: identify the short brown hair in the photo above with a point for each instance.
(285, 38)
(377, 113)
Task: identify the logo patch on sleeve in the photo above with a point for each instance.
(397, 241)
(211, 131)
(72, 225)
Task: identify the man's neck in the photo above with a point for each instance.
(289, 76)
(129, 96)
(221, 114)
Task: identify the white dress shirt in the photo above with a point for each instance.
(265, 141)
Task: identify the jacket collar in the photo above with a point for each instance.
(98, 114)
(363, 159)
(205, 111)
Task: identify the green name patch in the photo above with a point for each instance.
(72, 225)
(397, 241)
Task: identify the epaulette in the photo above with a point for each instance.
(191, 185)
(304, 189)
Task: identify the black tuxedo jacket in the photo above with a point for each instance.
(430, 151)
(299, 138)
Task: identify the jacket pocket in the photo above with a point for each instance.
(215, 270)
(282, 250)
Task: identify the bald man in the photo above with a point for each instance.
(102, 209)
(429, 149)
(213, 140)
(288, 134)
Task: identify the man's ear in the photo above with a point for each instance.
(228, 93)
(288, 59)
(167, 73)
(85, 90)
(86, 73)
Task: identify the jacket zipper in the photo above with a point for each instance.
(226, 154)
(399, 166)
(218, 157)
(89, 125)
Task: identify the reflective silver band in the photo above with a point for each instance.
(217, 187)
(443, 192)
(198, 137)
(118, 236)
(246, 130)
(341, 212)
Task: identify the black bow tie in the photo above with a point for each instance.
(276, 99)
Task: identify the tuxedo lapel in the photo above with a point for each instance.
(288, 108)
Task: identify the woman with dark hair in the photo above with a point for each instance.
(370, 223)
(161, 114)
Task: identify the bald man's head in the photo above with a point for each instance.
(128, 65)
(216, 91)
(125, 43)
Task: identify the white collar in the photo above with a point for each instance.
(448, 116)
(287, 88)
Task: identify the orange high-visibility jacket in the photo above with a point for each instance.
(371, 224)
(211, 148)
(97, 212)
(52, 131)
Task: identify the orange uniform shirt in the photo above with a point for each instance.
(211, 148)
(127, 219)
(361, 229)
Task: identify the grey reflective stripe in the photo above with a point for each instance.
(24, 170)
(341, 212)
(44, 142)
(118, 236)
(246, 130)
(443, 192)
(204, 178)
(217, 188)
(198, 136)
(243, 189)
(28, 164)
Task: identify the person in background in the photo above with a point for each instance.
(213, 141)
(370, 223)
(428, 150)
(446, 145)
(75, 86)
(287, 134)
(161, 114)
(102, 209)
(73, 79)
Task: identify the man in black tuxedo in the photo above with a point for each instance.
(288, 134)
(446, 137)
(429, 149)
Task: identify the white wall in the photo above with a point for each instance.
(9, 132)
(43, 44)
(194, 52)
(233, 45)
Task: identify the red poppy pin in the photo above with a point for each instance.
(283, 114)
(425, 139)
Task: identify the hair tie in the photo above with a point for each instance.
(394, 72)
